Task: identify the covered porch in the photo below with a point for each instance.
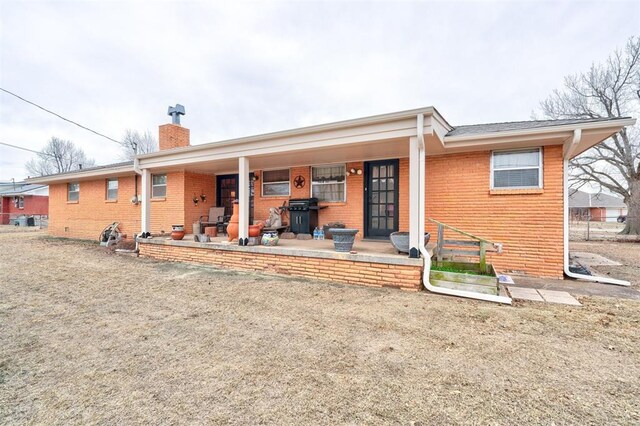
(366, 173)
(371, 263)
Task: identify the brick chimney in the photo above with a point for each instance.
(173, 136)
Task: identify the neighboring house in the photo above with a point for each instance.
(379, 174)
(22, 199)
(596, 207)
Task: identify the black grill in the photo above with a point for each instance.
(303, 213)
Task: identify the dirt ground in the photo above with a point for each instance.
(627, 253)
(87, 336)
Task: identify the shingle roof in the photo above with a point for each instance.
(89, 169)
(477, 129)
(19, 189)
(581, 199)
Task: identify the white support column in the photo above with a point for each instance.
(243, 199)
(421, 201)
(145, 221)
(414, 198)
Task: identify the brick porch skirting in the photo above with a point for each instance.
(360, 269)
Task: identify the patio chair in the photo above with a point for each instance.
(216, 218)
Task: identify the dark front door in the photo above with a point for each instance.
(380, 198)
(227, 193)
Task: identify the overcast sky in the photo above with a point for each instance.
(250, 68)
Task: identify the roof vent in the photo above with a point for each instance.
(175, 113)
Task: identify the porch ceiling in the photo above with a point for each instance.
(391, 148)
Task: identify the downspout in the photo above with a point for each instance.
(423, 250)
(136, 168)
(577, 136)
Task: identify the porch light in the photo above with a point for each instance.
(354, 171)
(255, 177)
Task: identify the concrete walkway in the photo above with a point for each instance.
(550, 296)
(575, 287)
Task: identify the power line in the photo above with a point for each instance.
(59, 116)
(25, 149)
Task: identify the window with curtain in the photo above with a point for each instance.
(275, 183)
(516, 169)
(73, 191)
(158, 186)
(328, 183)
(112, 189)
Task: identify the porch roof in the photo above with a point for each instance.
(362, 139)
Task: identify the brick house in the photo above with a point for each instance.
(20, 199)
(380, 174)
(599, 207)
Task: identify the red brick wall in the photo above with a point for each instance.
(528, 223)
(92, 213)
(172, 136)
(33, 205)
(405, 277)
(351, 212)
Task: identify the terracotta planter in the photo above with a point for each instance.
(254, 230)
(177, 232)
(232, 228)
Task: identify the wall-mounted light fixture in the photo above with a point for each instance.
(255, 177)
(354, 171)
(195, 199)
(203, 198)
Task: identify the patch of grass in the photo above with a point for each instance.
(448, 268)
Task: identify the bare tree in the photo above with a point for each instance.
(610, 89)
(134, 143)
(58, 156)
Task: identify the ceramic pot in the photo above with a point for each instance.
(270, 239)
(232, 228)
(343, 239)
(177, 232)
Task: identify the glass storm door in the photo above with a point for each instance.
(381, 198)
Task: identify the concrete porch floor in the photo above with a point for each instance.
(364, 250)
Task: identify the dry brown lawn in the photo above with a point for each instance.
(90, 337)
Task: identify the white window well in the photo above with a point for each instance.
(521, 169)
(275, 183)
(328, 183)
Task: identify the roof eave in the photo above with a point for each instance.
(82, 175)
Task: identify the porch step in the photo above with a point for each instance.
(477, 288)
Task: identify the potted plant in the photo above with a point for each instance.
(343, 239)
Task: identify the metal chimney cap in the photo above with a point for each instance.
(175, 113)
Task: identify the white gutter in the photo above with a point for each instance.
(136, 166)
(577, 135)
(423, 249)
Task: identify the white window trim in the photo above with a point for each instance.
(69, 192)
(344, 200)
(106, 183)
(539, 167)
(157, 185)
(288, 182)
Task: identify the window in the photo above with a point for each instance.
(73, 191)
(158, 186)
(328, 183)
(516, 169)
(112, 189)
(19, 202)
(275, 183)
